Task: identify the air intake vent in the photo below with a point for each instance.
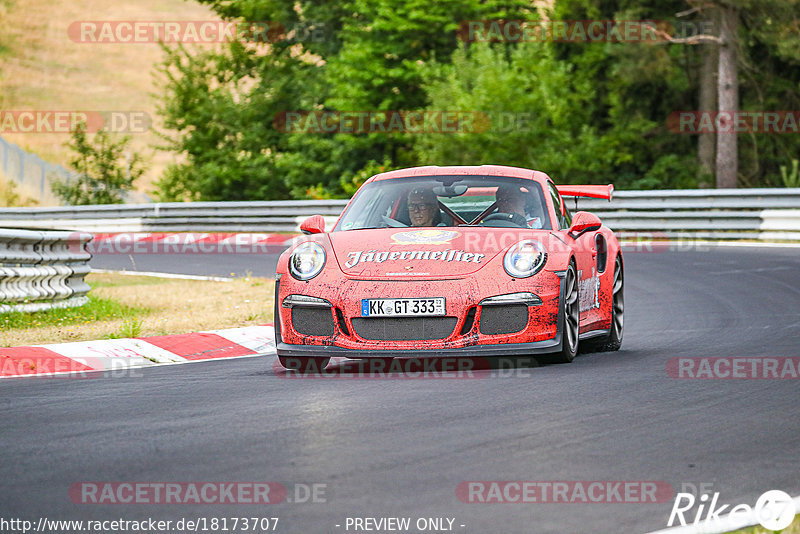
(312, 321)
(342, 322)
(469, 321)
(404, 328)
(503, 319)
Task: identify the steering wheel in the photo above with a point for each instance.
(514, 218)
(393, 223)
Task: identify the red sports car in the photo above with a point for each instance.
(451, 261)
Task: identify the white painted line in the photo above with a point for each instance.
(165, 275)
(727, 523)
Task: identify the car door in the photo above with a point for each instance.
(585, 251)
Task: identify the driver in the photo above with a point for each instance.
(511, 199)
(423, 208)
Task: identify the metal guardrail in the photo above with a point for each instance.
(706, 214)
(42, 270)
(262, 216)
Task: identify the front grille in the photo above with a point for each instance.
(404, 328)
(503, 319)
(312, 321)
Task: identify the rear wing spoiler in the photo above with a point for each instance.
(589, 191)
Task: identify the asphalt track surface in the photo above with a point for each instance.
(399, 448)
(260, 263)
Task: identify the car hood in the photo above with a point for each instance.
(405, 253)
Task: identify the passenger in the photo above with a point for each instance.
(423, 208)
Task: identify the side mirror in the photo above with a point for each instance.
(583, 222)
(313, 225)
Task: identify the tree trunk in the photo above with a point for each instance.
(727, 99)
(708, 102)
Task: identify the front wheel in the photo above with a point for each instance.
(304, 364)
(570, 307)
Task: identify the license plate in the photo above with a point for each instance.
(402, 307)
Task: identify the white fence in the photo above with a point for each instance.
(41, 270)
(761, 214)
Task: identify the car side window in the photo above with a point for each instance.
(564, 217)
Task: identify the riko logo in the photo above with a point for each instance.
(774, 510)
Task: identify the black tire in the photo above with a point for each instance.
(613, 341)
(570, 307)
(304, 364)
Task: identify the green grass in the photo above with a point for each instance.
(130, 328)
(97, 309)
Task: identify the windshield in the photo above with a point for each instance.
(431, 201)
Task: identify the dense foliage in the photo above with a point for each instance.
(583, 112)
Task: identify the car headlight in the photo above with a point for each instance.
(525, 259)
(307, 261)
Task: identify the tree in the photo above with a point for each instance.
(727, 96)
(754, 67)
(760, 38)
(597, 111)
(706, 146)
(220, 107)
(104, 170)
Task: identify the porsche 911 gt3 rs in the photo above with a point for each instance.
(451, 262)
